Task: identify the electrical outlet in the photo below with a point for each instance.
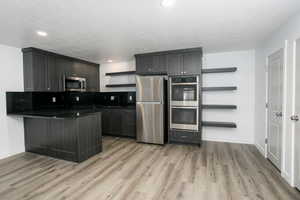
(77, 99)
(112, 98)
(53, 99)
(130, 98)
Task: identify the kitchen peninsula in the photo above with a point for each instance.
(73, 135)
(68, 125)
(54, 126)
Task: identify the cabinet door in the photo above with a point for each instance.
(174, 63)
(115, 122)
(61, 138)
(160, 64)
(105, 122)
(78, 69)
(36, 135)
(111, 122)
(53, 75)
(28, 71)
(64, 68)
(92, 75)
(89, 136)
(144, 65)
(39, 72)
(192, 63)
(129, 123)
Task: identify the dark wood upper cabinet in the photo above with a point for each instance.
(63, 65)
(176, 62)
(188, 63)
(53, 75)
(35, 71)
(192, 63)
(160, 63)
(45, 71)
(151, 64)
(93, 79)
(144, 64)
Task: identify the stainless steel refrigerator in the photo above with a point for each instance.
(150, 108)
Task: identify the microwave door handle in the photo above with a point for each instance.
(64, 82)
(83, 85)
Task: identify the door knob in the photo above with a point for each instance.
(295, 117)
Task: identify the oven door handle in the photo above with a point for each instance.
(195, 83)
(185, 107)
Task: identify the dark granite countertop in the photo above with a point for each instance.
(57, 113)
(63, 113)
(116, 107)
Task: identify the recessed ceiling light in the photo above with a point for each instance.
(42, 33)
(167, 3)
(109, 61)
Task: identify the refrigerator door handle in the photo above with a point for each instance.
(149, 102)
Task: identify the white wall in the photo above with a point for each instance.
(260, 100)
(116, 67)
(11, 79)
(243, 97)
(281, 38)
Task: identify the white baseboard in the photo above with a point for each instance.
(287, 178)
(261, 150)
(225, 140)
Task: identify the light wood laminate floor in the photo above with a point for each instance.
(128, 170)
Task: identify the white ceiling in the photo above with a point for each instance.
(98, 30)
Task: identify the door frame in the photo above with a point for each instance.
(283, 105)
(293, 174)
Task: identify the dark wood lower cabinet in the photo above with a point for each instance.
(128, 123)
(69, 139)
(119, 122)
(177, 136)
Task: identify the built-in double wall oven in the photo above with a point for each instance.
(184, 102)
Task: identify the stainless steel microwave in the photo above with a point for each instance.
(72, 83)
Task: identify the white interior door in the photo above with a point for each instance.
(296, 116)
(275, 96)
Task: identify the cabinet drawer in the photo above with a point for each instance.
(185, 137)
